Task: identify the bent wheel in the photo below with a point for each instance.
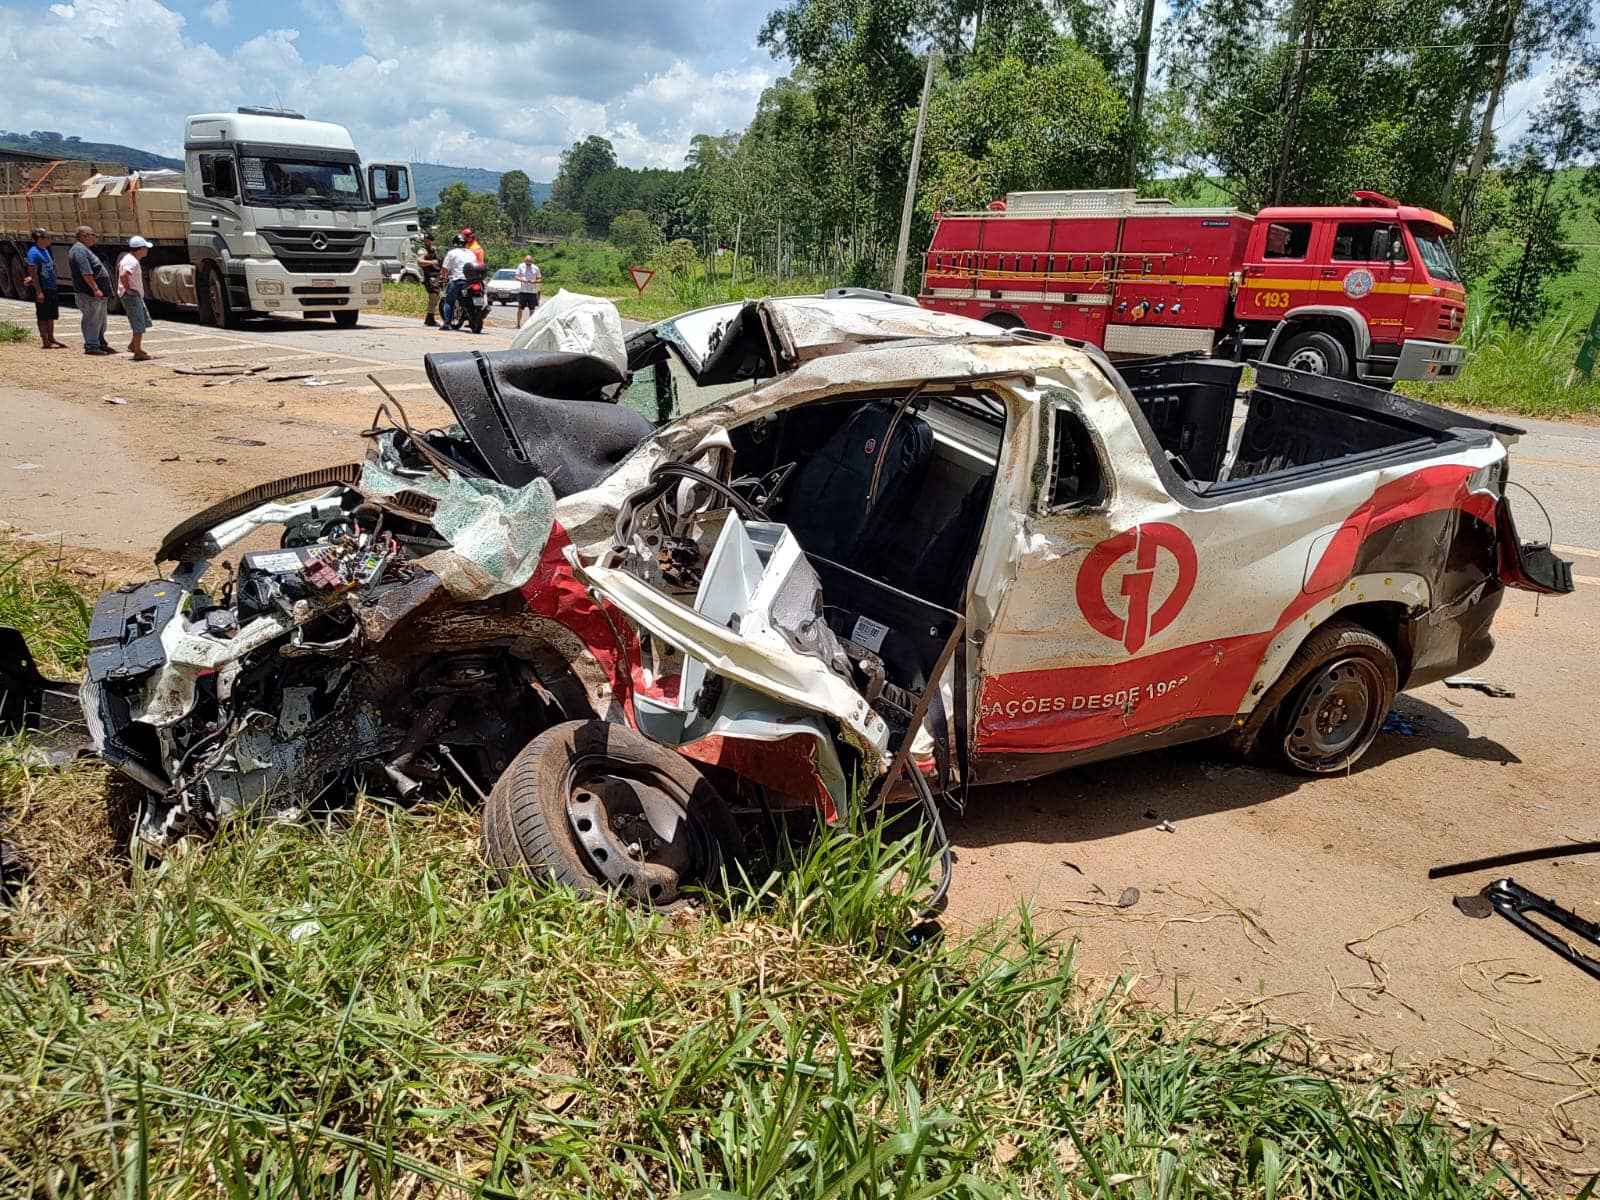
(1326, 708)
(1339, 711)
(598, 807)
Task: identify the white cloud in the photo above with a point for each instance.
(218, 14)
(495, 83)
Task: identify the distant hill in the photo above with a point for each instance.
(431, 178)
(45, 141)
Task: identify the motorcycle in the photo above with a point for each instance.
(472, 305)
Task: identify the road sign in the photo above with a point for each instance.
(1589, 352)
(641, 276)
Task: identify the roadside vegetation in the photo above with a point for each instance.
(10, 333)
(1528, 372)
(351, 1009)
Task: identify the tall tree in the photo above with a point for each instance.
(580, 163)
(516, 200)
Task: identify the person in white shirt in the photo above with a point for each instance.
(130, 286)
(528, 279)
(454, 270)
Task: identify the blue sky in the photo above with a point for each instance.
(493, 83)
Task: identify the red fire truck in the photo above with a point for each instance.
(1364, 292)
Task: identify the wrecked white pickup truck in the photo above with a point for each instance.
(795, 554)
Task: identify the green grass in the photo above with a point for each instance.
(42, 599)
(351, 1009)
(1525, 372)
(404, 299)
(10, 333)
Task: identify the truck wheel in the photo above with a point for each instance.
(1004, 320)
(599, 807)
(1316, 353)
(12, 273)
(213, 298)
(1322, 714)
(346, 320)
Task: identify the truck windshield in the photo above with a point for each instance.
(293, 183)
(1430, 245)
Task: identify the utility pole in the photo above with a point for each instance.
(1141, 68)
(911, 180)
(1280, 179)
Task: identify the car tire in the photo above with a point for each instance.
(1315, 352)
(567, 806)
(346, 320)
(1328, 705)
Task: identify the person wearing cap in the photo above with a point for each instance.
(130, 286)
(428, 263)
(472, 244)
(42, 277)
(90, 283)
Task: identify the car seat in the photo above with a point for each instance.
(827, 504)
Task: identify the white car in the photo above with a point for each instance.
(503, 287)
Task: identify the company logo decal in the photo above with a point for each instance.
(319, 241)
(1358, 283)
(1128, 562)
(872, 444)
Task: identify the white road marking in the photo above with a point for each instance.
(1579, 550)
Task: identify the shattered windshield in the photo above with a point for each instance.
(296, 183)
(1430, 245)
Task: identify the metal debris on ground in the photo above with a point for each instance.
(221, 369)
(113, 399)
(1499, 691)
(1514, 902)
(238, 441)
(1167, 827)
(288, 376)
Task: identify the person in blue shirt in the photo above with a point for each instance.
(42, 275)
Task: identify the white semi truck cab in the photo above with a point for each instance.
(282, 218)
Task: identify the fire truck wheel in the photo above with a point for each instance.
(598, 807)
(1315, 352)
(1004, 320)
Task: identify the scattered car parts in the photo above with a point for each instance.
(1520, 906)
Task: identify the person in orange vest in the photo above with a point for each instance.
(472, 244)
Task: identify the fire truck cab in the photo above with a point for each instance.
(1367, 291)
